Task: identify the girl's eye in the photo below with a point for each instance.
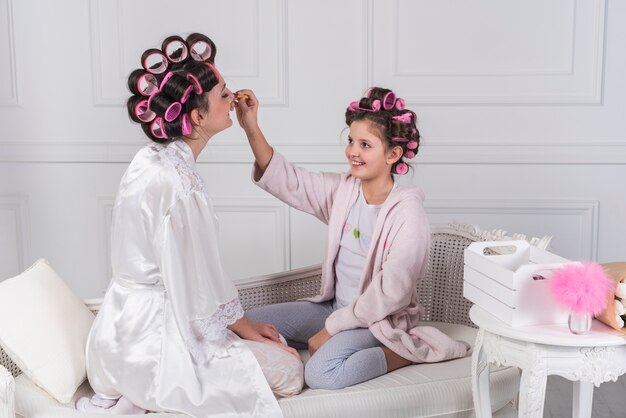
(349, 140)
(365, 145)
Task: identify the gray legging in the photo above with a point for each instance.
(347, 358)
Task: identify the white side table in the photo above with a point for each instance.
(589, 359)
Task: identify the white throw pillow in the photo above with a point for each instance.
(44, 328)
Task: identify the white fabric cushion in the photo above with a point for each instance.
(44, 328)
(424, 390)
(421, 390)
(32, 402)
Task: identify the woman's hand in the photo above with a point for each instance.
(260, 332)
(247, 109)
(318, 340)
(266, 330)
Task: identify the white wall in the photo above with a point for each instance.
(521, 104)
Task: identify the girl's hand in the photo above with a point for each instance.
(246, 108)
(318, 340)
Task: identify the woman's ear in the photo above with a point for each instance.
(196, 116)
(394, 155)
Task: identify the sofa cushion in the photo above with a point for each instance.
(421, 390)
(44, 328)
(32, 402)
(425, 390)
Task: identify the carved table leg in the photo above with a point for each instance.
(583, 399)
(480, 379)
(533, 386)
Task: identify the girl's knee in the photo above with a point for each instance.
(317, 377)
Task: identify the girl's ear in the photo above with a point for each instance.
(394, 155)
(196, 117)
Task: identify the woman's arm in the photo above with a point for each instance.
(247, 108)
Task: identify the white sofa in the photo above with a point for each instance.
(421, 390)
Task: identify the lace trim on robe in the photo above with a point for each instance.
(190, 179)
(212, 330)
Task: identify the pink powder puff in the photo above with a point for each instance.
(582, 288)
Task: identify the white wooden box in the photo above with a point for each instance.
(513, 286)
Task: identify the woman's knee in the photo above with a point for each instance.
(283, 371)
(288, 379)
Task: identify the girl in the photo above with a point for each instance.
(170, 333)
(364, 321)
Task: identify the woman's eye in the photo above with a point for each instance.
(225, 95)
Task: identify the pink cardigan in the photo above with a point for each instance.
(387, 303)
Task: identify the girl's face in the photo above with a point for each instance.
(220, 105)
(367, 154)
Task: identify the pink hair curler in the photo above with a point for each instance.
(400, 104)
(186, 94)
(186, 124)
(200, 50)
(405, 117)
(402, 168)
(153, 95)
(143, 112)
(389, 101)
(147, 84)
(175, 49)
(354, 107)
(215, 72)
(172, 111)
(197, 87)
(397, 139)
(409, 154)
(157, 129)
(412, 145)
(154, 61)
(167, 78)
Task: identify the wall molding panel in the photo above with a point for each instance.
(254, 235)
(261, 61)
(439, 152)
(8, 74)
(576, 233)
(556, 60)
(105, 210)
(14, 235)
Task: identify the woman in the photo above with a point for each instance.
(170, 333)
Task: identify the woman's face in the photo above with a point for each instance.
(220, 106)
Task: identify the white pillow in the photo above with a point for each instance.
(44, 328)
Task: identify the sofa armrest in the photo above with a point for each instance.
(286, 286)
(7, 394)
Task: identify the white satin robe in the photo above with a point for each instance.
(160, 338)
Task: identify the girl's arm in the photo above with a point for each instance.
(306, 191)
(247, 108)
